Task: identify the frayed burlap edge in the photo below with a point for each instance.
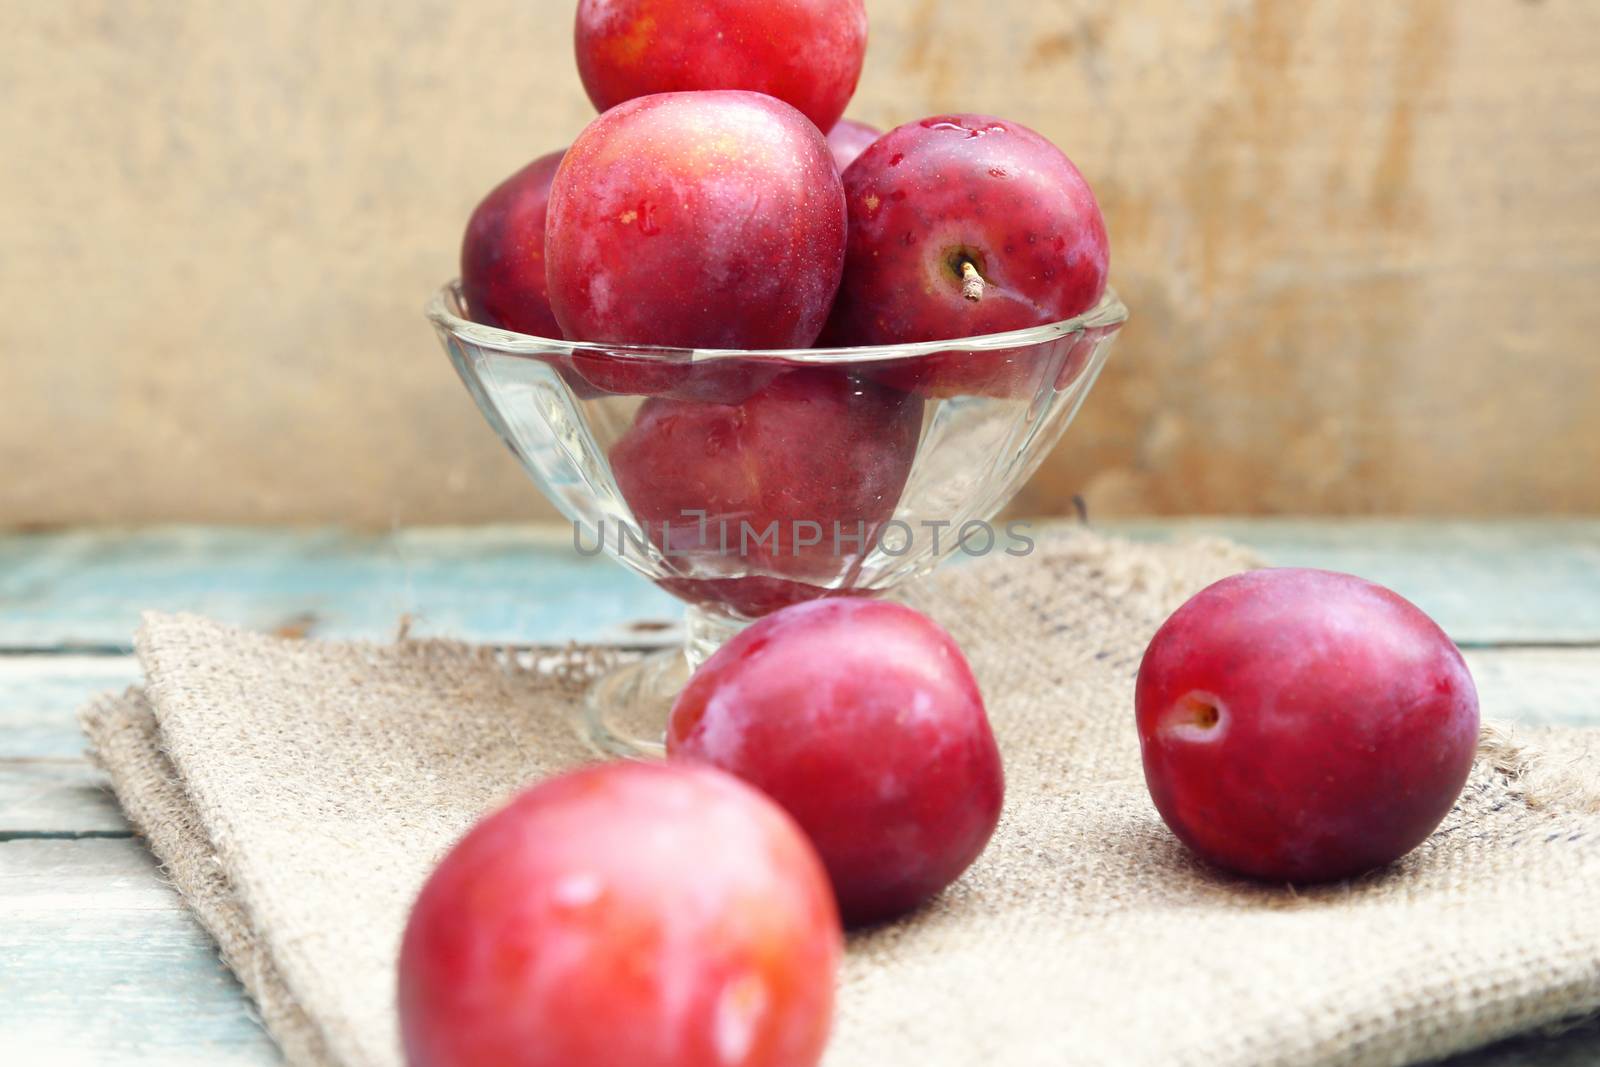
(1544, 780)
(125, 743)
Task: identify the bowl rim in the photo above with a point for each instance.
(1108, 314)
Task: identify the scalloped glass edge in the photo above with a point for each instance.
(444, 311)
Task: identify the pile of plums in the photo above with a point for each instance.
(833, 763)
(720, 202)
(1296, 725)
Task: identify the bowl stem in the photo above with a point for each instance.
(704, 633)
(625, 711)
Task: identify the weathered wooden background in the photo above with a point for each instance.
(1361, 242)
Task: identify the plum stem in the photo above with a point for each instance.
(1196, 716)
(971, 281)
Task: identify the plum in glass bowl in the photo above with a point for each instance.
(743, 481)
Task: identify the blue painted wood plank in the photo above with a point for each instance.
(1486, 582)
(102, 965)
(65, 798)
(85, 589)
(40, 697)
(1531, 581)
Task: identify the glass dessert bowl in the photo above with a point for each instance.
(745, 481)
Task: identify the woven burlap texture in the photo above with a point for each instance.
(298, 792)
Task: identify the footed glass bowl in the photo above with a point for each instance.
(745, 481)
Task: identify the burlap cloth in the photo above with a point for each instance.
(298, 792)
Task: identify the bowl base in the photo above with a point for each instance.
(625, 712)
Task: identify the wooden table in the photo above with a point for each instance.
(101, 964)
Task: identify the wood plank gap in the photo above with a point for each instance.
(65, 650)
(1530, 646)
(123, 651)
(43, 761)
